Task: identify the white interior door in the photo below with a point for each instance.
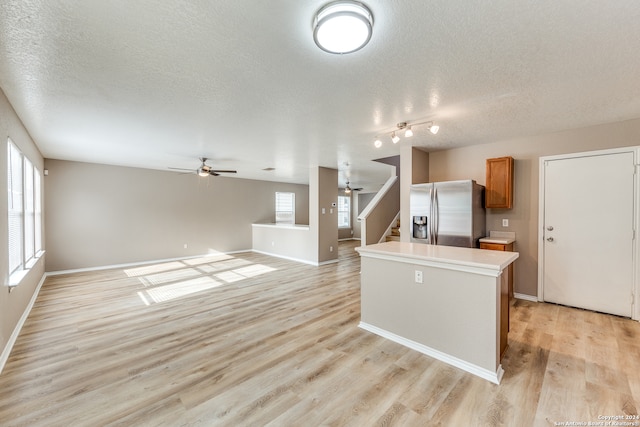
(588, 232)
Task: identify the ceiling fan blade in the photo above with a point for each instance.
(357, 189)
(213, 173)
(181, 169)
(223, 171)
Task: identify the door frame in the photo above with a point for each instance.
(635, 309)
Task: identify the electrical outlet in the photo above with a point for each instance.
(505, 222)
(419, 278)
(185, 246)
(330, 248)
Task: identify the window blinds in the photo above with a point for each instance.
(15, 208)
(285, 208)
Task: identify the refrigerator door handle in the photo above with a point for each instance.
(430, 219)
(436, 210)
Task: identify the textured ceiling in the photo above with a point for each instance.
(157, 84)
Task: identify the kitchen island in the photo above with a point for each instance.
(447, 302)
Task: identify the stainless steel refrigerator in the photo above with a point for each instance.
(447, 213)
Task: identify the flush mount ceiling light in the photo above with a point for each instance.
(408, 132)
(342, 27)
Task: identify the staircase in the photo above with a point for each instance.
(395, 233)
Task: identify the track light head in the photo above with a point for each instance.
(395, 138)
(408, 133)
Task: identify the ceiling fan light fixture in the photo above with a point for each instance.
(342, 27)
(205, 170)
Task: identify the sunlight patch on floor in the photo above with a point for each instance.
(244, 273)
(169, 276)
(181, 289)
(223, 265)
(207, 259)
(171, 280)
(153, 268)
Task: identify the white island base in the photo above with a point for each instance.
(459, 314)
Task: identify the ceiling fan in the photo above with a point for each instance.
(205, 170)
(348, 189)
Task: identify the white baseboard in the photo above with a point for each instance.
(303, 261)
(525, 297)
(486, 374)
(4, 356)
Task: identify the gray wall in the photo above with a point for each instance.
(13, 305)
(325, 192)
(469, 163)
(98, 215)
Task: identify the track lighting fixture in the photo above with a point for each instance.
(408, 132)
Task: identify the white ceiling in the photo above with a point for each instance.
(157, 84)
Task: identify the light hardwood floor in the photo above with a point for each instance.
(251, 340)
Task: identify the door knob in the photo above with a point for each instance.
(549, 239)
(550, 228)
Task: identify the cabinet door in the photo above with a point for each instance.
(499, 185)
(493, 246)
(502, 247)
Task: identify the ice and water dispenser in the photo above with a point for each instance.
(419, 227)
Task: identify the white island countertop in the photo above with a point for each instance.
(449, 257)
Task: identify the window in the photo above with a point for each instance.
(285, 208)
(344, 211)
(24, 213)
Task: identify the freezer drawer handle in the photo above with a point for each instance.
(549, 239)
(550, 228)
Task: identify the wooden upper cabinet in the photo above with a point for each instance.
(499, 185)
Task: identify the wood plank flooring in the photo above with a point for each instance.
(251, 340)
